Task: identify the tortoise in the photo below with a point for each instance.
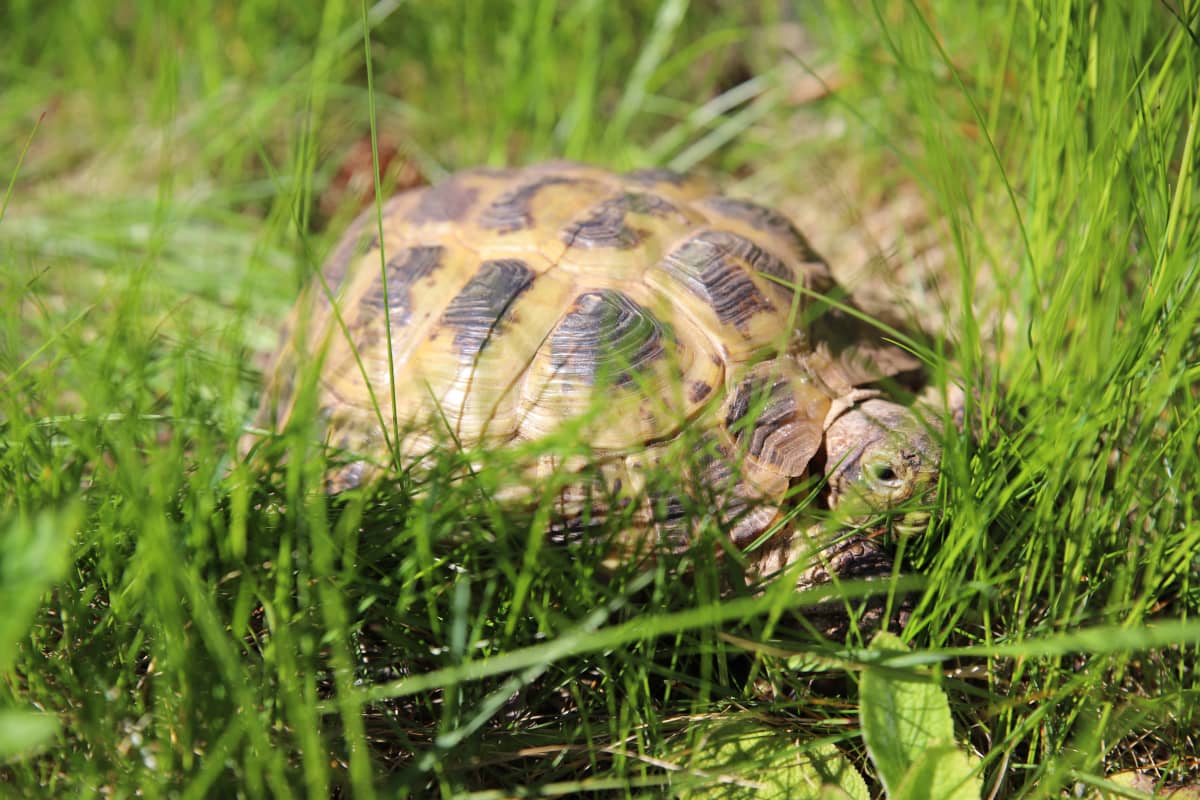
(628, 309)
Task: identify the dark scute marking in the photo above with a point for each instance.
(716, 465)
(479, 310)
(649, 177)
(739, 404)
(698, 390)
(511, 212)
(671, 508)
(605, 335)
(445, 202)
(403, 271)
(775, 405)
(652, 205)
(605, 224)
(710, 265)
(757, 259)
(767, 220)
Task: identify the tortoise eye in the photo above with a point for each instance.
(883, 472)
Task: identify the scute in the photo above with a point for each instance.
(618, 237)
(473, 362)
(619, 364)
(675, 186)
(527, 218)
(449, 201)
(717, 278)
(732, 212)
(606, 332)
(480, 309)
(393, 299)
(347, 397)
(513, 210)
(421, 280)
(775, 414)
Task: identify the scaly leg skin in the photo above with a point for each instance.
(818, 556)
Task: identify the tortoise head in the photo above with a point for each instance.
(878, 456)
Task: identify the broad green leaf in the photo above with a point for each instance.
(34, 554)
(902, 716)
(941, 773)
(742, 758)
(23, 732)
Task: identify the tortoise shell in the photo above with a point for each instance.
(622, 307)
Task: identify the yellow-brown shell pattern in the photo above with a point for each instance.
(519, 301)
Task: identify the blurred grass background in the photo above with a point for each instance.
(1018, 177)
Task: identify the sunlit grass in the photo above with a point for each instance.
(220, 630)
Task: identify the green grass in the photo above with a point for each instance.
(198, 629)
